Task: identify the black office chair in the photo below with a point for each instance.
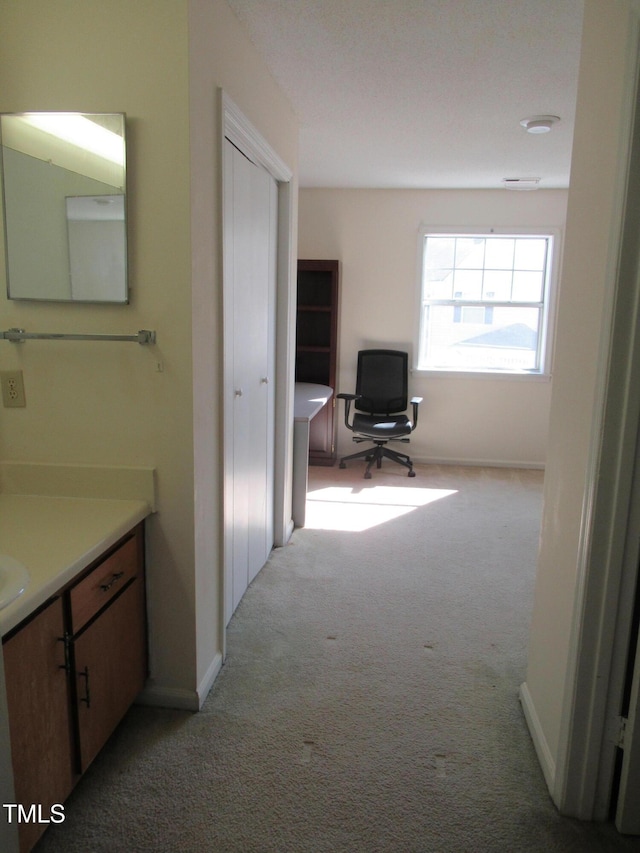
(381, 395)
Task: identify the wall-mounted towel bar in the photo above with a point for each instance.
(144, 336)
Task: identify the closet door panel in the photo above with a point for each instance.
(250, 264)
(243, 258)
(262, 390)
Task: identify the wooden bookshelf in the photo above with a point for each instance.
(317, 348)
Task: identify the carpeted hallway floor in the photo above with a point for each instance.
(369, 701)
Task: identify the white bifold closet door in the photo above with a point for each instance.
(250, 245)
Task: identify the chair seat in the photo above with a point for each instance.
(381, 427)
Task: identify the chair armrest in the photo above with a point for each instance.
(348, 399)
(415, 402)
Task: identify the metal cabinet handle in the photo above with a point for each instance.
(265, 380)
(67, 655)
(114, 579)
(238, 392)
(87, 696)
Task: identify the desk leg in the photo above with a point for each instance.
(300, 471)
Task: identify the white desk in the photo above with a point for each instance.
(308, 400)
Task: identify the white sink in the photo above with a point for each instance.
(13, 579)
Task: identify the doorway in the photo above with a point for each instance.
(590, 733)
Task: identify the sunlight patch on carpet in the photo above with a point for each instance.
(348, 509)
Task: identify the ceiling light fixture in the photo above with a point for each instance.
(520, 183)
(539, 124)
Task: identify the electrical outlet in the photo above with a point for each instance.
(12, 389)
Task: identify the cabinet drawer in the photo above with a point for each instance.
(102, 583)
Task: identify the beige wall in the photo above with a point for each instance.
(374, 234)
(101, 402)
(107, 403)
(582, 336)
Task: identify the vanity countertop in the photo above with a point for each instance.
(55, 538)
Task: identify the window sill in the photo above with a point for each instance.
(481, 374)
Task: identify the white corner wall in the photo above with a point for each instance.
(583, 330)
(374, 234)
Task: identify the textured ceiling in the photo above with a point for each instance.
(423, 93)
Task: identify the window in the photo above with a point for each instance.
(484, 302)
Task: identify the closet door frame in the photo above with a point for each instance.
(247, 139)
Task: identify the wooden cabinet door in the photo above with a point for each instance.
(110, 669)
(39, 718)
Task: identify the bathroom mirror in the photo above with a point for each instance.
(64, 206)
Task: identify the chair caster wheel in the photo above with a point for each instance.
(411, 474)
(367, 476)
(342, 465)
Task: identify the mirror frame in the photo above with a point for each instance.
(81, 171)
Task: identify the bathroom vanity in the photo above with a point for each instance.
(74, 643)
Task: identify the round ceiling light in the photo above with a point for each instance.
(539, 124)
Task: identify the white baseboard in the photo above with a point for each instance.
(288, 530)
(461, 462)
(209, 677)
(179, 697)
(537, 736)
(169, 697)
(478, 463)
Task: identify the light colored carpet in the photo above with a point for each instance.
(369, 701)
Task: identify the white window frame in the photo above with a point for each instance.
(545, 340)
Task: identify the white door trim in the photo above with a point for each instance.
(584, 770)
(236, 127)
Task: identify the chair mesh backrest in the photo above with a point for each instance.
(382, 381)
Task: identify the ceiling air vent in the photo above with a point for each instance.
(521, 183)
